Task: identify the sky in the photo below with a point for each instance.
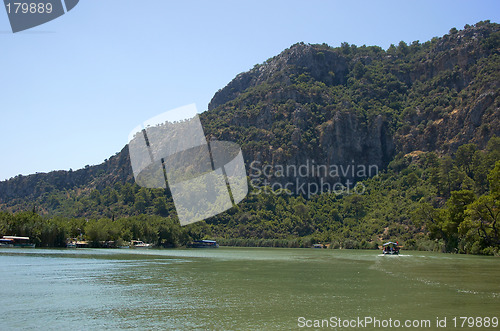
(71, 90)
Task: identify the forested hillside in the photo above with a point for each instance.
(425, 114)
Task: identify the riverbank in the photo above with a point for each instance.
(422, 246)
(166, 232)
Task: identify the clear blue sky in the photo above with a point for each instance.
(72, 89)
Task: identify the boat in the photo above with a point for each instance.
(71, 244)
(6, 242)
(82, 244)
(391, 248)
(139, 244)
(318, 246)
(203, 244)
(23, 242)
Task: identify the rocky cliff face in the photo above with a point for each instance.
(466, 62)
(345, 139)
(324, 66)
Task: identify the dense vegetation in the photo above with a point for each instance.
(426, 202)
(435, 109)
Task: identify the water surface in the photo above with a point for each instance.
(237, 288)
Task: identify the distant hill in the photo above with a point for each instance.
(334, 105)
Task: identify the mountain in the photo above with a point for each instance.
(363, 105)
(340, 106)
(449, 83)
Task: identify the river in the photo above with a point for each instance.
(241, 288)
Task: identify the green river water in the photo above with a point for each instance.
(242, 288)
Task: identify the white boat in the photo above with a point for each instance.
(23, 242)
(140, 244)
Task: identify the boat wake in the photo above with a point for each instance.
(394, 255)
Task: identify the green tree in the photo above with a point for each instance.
(127, 194)
(494, 179)
(464, 158)
(160, 206)
(433, 220)
(359, 70)
(140, 203)
(483, 216)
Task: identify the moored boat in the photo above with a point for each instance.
(6, 242)
(203, 244)
(82, 244)
(139, 244)
(16, 241)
